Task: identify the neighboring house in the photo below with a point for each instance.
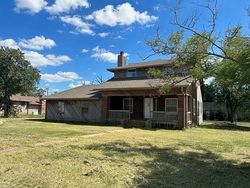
(28, 105)
(132, 95)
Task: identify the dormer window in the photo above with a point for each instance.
(131, 73)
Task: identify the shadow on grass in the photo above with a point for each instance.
(172, 168)
(80, 123)
(225, 126)
(77, 123)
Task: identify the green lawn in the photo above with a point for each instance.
(34, 153)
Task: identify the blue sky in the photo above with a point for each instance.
(73, 41)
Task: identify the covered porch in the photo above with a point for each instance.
(172, 111)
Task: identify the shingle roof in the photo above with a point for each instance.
(81, 92)
(30, 99)
(142, 84)
(154, 63)
(93, 91)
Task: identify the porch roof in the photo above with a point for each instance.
(142, 84)
(81, 92)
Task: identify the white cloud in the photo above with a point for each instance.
(9, 43)
(81, 26)
(104, 55)
(60, 77)
(36, 59)
(30, 6)
(123, 14)
(103, 34)
(119, 37)
(61, 6)
(85, 50)
(39, 60)
(37, 43)
(80, 83)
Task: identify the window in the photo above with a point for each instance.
(61, 106)
(128, 104)
(131, 73)
(85, 110)
(171, 105)
(169, 71)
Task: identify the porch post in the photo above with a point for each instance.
(105, 108)
(181, 111)
(186, 110)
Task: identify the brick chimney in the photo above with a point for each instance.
(121, 59)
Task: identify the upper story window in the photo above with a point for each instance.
(131, 73)
(169, 71)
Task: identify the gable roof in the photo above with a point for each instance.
(30, 99)
(81, 92)
(142, 84)
(153, 63)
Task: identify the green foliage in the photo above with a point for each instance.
(156, 73)
(16, 76)
(210, 92)
(233, 77)
(208, 54)
(37, 92)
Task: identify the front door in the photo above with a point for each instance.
(148, 108)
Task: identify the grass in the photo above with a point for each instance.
(34, 153)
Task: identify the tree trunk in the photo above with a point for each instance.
(231, 109)
(6, 112)
(7, 106)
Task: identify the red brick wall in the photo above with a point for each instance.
(105, 107)
(181, 118)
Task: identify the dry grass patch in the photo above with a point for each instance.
(114, 157)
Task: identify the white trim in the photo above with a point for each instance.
(130, 106)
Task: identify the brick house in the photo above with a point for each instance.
(132, 94)
(28, 105)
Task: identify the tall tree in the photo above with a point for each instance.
(16, 76)
(206, 53)
(233, 77)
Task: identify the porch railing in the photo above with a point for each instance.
(119, 115)
(162, 117)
